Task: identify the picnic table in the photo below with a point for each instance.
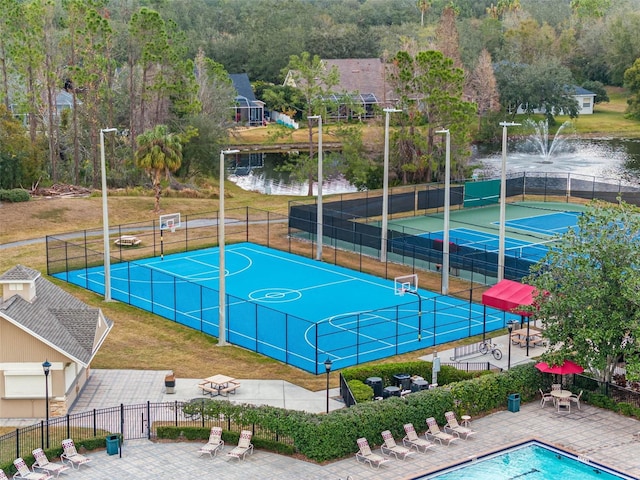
(522, 336)
(127, 241)
(219, 385)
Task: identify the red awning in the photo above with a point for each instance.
(508, 295)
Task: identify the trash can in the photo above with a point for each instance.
(376, 384)
(513, 403)
(403, 381)
(113, 443)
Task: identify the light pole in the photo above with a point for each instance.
(510, 328)
(105, 218)
(327, 366)
(46, 366)
(319, 219)
(503, 198)
(222, 337)
(447, 210)
(385, 185)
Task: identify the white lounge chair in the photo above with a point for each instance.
(244, 446)
(576, 399)
(366, 455)
(412, 440)
(214, 444)
(3, 476)
(24, 472)
(71, 455)
(391, 448)
(546, 397)
(454, 427)
(44, 465)
(435, 433)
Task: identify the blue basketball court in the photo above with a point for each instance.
(291, 308)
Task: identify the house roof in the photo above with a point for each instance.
(583, 92)
(55, 317)
(242, 85)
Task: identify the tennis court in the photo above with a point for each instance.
(291, 308)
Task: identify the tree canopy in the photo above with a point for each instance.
(588, 291)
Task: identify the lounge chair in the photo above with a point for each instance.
(391, 448)
(3, 476)
(71, 455)
(44, 465)
(576, 399)
(214, 444)
(546, 397)
(244, 446)
(435, 433)
(366, 455)
(24, 472)
(412, 440)
(454, 427)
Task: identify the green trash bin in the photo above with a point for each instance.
(113, 443)
(513, 403)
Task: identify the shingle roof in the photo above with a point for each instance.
(56, 318)
(19, 273)
(242, 85)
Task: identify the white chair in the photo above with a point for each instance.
(24, 472)
(576, 399)
(44, 465)
(71, 455)
(412, 440)
(391, 448)
(454, 427)
(366, 455)
(435, 433)
(244, 446)
(564, 404)
(214, 444)
(546, 397)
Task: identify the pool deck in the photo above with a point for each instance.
(600, 435)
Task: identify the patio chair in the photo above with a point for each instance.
(71, 455)
(366, 455)
(556, 386)
(576, 399)
(563, 404)
(24, 472)
(412, 440)
(454, 427)
(244, 446)
(3, 476)
(546, 397)
(435, 433)
(391, 448)
(214, 444)
(43, 464)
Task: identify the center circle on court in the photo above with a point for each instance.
(275, 295)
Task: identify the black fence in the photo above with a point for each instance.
(129, 421)
(349, 221)
(618, 393)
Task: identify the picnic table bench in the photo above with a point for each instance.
(127, 241)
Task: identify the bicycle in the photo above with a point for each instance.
(488, 347)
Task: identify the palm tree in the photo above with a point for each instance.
(423, 6)
(158, 152)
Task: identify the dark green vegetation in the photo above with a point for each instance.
(73, 68)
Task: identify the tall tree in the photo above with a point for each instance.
(430, 89)
(9, 25)
(315, 82)
(447, 40)
(158, 153)
(588, 291)
(632, 82)
(484, 87)
(423, 6)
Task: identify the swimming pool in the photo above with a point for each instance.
(532, 460)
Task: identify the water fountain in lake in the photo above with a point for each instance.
(538, 141)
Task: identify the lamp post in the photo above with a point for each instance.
(503, 198)
(319, 232)
(385, 185)
(327, 366)
(510, 328)
(46, 366)
(222, 340)
(105, 218)
(447, 210)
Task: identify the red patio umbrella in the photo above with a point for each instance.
(567, 368)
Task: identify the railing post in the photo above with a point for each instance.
(148, 420)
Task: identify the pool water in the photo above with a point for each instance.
(531, 461)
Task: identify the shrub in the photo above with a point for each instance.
(14, 195)
(361, 392)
